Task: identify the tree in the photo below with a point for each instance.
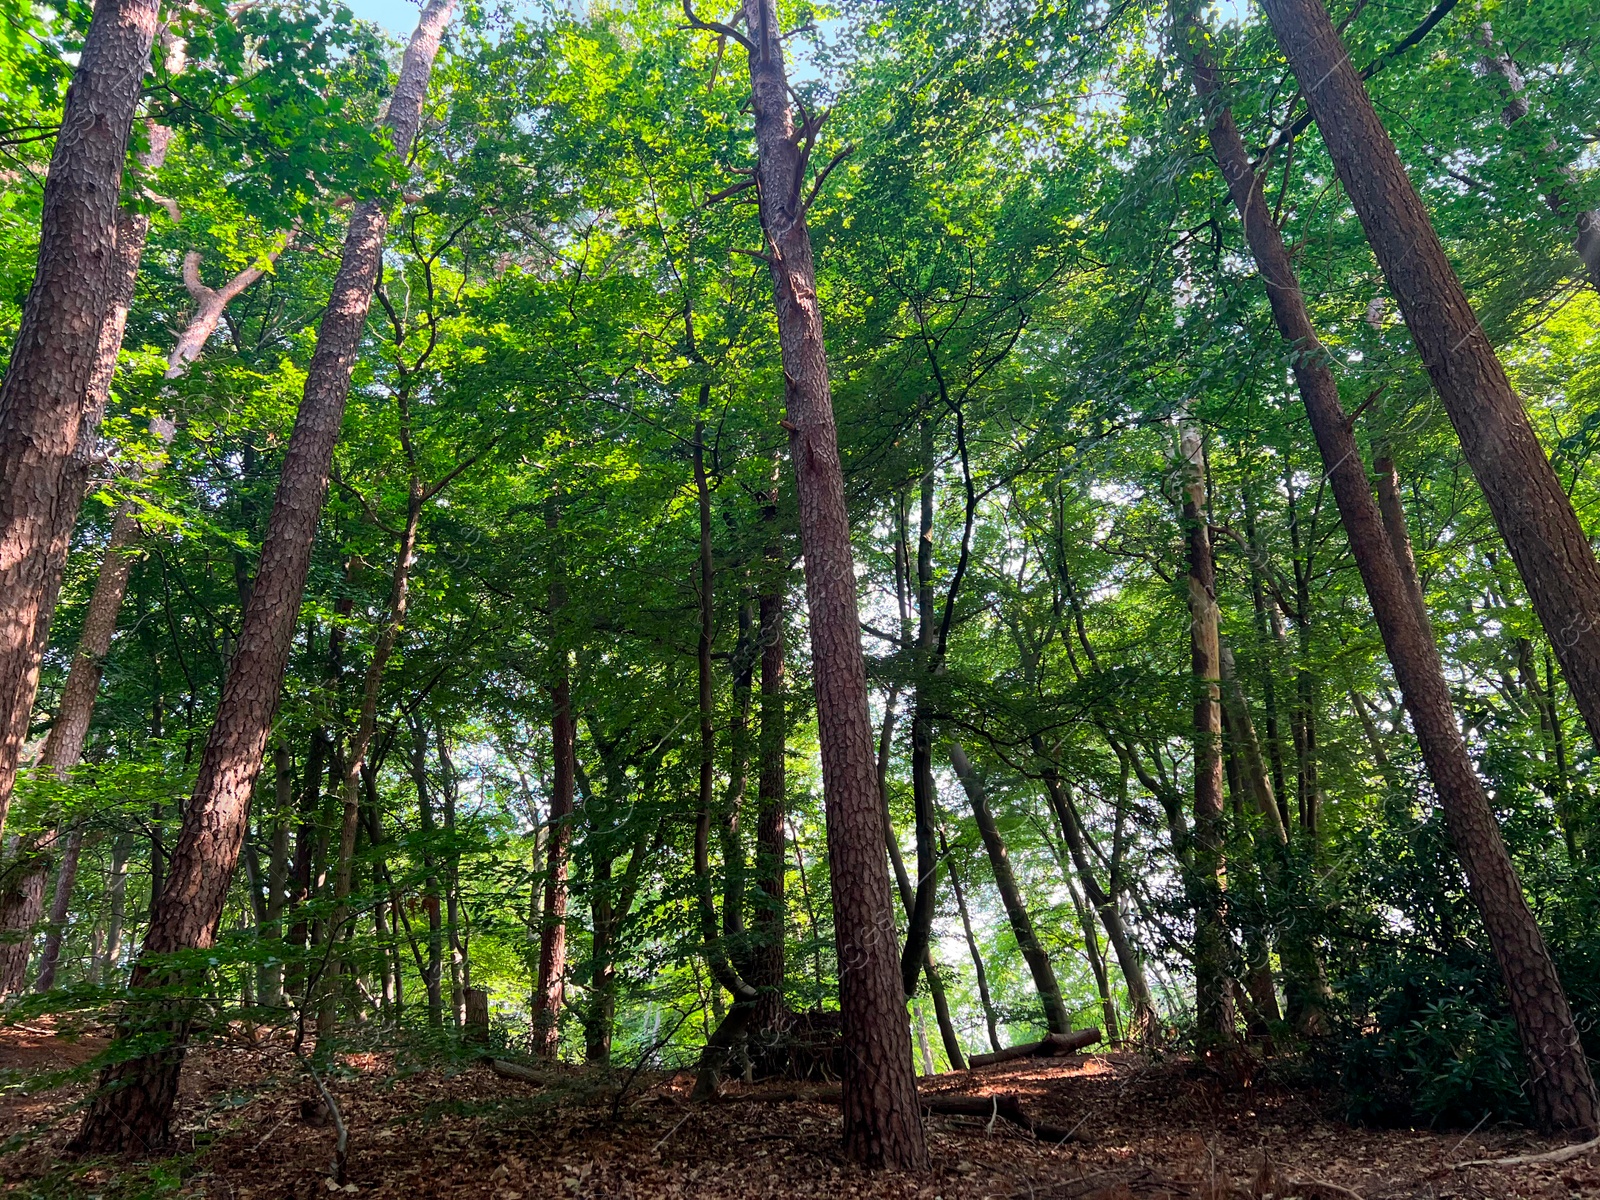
(134, 1102)
(1531, 509)
(1563, 1089)
(47, 390)
(882, 1122)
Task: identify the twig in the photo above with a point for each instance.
(1564, 1154)
(656, 1149)
(342, 1145)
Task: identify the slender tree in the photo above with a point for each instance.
(1033, 951)
(133, 1105)
(1530, 506)
(1561, 1087)
(47, 392)
(882, 1120)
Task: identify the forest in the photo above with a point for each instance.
(988, 597)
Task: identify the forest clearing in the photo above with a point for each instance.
(758, 597)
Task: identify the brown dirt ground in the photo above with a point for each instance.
(1149, 1130)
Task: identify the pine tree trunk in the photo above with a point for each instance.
(882, 1120)
(133, 1105)
(551, 984)
(1212, 948)
(1033, 951)
(1561, 1087)
(47, 394)
(1532, 510)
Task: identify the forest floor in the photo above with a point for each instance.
(251, 1127)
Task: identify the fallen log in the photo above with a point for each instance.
(1007, 1108)
(513, 1070)
(1048, 1046)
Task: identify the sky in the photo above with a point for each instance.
(399, 17)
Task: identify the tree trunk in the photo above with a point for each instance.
(989, 1019)
(767, 972)
(1142, 1021)
(919, 914)
(882, 1121)
(433, 972)
(361, 743)
(64, 746)
(1213, 997)
(47, 395)
(134, 1103)
(116, 909)
(908, 899)
(278, 869)
(1561, 1087)
(1033, 952)
(460, 959)
(1393, 511)
(1532, 510)
(60, 904)
(1556, 179)
(1306, 981)
(551, 984)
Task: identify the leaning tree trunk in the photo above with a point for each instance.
(882, 1120)
(1561, 1086)
(133, 1105)
(1213, 996)
(1142, 1022)
(46, 394)
(1033, 951)
(1531, 508)
(64, 745)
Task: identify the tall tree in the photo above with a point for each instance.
(1562, 1088)
(1212, 950)
(47, 391)
(1530, 506)
(882, 1120)
(1005, 880)
(133, 1105)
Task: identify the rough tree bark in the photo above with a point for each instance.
(551, 984)
(1530, 507)
(1033, 951)
(64, 745)
(882, 1121)
(46, 395)
(1561, 1087)
(133, 1105)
